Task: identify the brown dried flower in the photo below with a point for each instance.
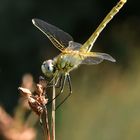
(37, 100)
(34, 93)
(36, 97)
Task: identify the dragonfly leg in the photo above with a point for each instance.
(55, 77)
(41, 78)
(61, 88)
(70, 92)
(58, 82)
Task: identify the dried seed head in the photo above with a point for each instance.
(39, 89)
(37, 99)
(35, 106)
(25, 92)
(43, 82)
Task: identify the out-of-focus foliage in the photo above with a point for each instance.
(107, 108)
(106, 99)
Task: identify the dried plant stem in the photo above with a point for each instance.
(45, 125)
(53, 112)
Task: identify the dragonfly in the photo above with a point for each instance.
(72, 53)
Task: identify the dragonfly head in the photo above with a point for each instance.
(48, 68)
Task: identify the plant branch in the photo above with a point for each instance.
(45, 124)
(53, 112)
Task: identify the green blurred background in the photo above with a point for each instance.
(105, 104)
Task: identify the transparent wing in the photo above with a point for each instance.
(58, 37)
(96, 58)
(73, 46)
(92, 60)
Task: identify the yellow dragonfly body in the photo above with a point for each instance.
(71, 59)
(72, 53)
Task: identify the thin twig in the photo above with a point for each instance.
(45, 125)
(53, 112)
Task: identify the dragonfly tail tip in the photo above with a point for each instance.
(124, 1)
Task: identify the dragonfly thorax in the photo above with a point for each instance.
(67, 62)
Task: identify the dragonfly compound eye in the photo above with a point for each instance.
(47, 68)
